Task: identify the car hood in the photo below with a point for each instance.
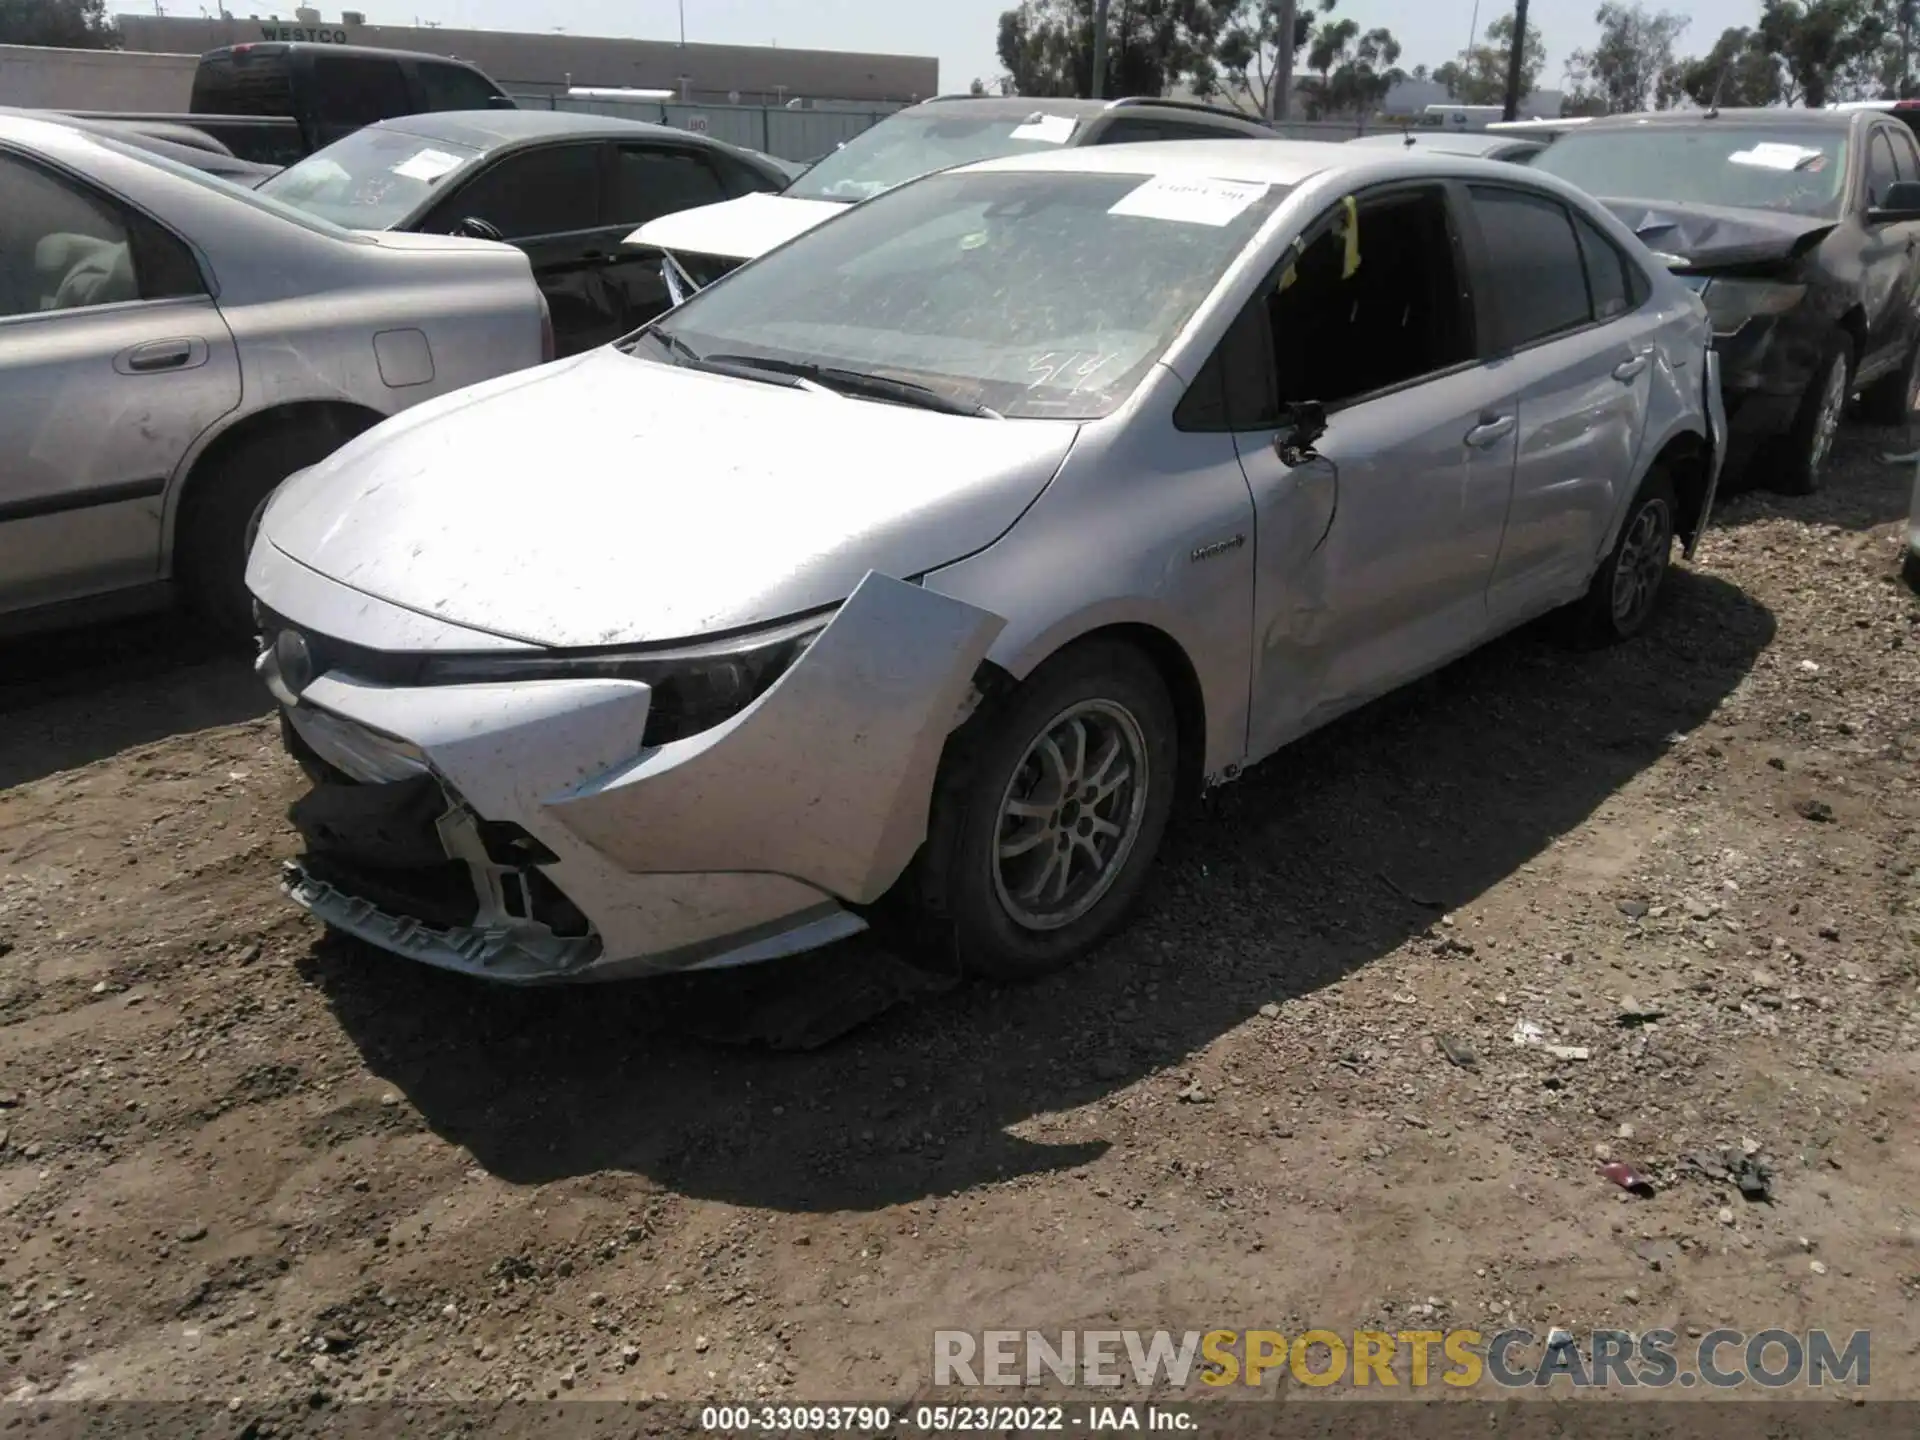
(611, 500)
(1710, 236)
(742, 229)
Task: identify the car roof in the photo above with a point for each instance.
(1781, 119)
(1276, 162)
(1018, 107)
(287, 47)
(1476, 142)
(493, 129)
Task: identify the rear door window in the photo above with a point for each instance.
(453, 87)
(1608, 279)
(1534, 261)
(1880, 167)
(356, 90)
(244, 82)
(654, 180)
(551, 190)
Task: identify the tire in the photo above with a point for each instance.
(1889, 400)
(217, 517)
(1910, 571)
(1001, 911)
(1626, 588)
(1810, 440)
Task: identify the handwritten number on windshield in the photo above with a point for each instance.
(1078, 366)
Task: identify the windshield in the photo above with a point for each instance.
(1044, 295)
(1795, 169)
(229, 188)
(371, 180)
(913, 143)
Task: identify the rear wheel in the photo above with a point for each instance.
(1810, 442)
(218, 516)
(1626, 589)
(1050, 812)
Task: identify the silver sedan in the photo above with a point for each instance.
(931, 557)
(172, 346)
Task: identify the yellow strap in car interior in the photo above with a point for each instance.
(1353, 239)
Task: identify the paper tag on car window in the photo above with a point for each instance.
(1770, 155)
(427, 165)
(1192, 200)
(1050, 129)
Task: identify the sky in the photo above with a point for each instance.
(961, 32)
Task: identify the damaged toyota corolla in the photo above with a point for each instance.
(920, 566)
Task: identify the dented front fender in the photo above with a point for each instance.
(827, 778)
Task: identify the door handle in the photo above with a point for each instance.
(1491, 428)
(1630, 369)
(158, 355)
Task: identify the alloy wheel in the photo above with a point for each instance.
(1826, 422)
(1642, 564)
(1071, 814)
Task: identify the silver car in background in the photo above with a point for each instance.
(172, 346)
(930, 558)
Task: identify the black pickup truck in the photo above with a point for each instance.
(275, 102)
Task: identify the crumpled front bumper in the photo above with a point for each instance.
(591, 855)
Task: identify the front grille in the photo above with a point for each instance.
(379, 667)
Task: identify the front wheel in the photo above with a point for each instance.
(1050, 812)
(1626, 588)
(1810, 442)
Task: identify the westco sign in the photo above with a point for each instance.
(300, 32)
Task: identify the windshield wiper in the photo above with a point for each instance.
(733, 365)
(862, 382)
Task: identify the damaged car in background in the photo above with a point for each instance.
(1801, 231)
(913, 574)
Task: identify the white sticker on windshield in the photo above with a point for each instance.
(1051, 129)
(1191, 200)
(1770, 155)
(428, 165)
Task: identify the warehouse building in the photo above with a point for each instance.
(550, 64)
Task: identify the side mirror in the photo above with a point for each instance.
(1301, 425)
(1900, 204)
(501, 102)
(474, 228)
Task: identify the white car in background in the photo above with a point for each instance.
(709, 240)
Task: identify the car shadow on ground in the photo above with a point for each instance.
(1322, 860)
(116, 668)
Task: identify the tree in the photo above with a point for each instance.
(1635, 49)
(1047, 45)
(1830, 49)
(70, 24)
(1239, 69)
(1738, 71)
(1480, 76)
(1353, 71)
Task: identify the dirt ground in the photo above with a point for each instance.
(238, 1159)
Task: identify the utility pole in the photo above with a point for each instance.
(1514, 56)
(1099, 48)
(1279, 100)
(683, 24)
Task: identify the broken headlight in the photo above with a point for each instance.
(694, 688)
